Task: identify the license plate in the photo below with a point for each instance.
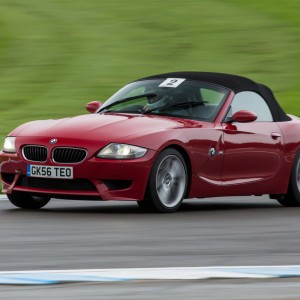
(49, 171)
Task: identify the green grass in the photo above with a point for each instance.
(56, 55)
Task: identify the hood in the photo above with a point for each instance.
(97, 126)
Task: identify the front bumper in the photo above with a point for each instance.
(94, 178)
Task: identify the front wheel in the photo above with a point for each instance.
(292, 198)
(27, 201)
(167, 184)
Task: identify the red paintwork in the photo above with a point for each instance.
(244, 116)
(249, 159)
(93, 106)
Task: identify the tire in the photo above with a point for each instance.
(167, 184)
(292, 198)
(27, 201)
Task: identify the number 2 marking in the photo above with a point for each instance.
(172, 82)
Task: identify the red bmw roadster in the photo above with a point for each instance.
(157, 141)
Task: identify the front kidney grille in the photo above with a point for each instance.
(35, 153)
(68, 155)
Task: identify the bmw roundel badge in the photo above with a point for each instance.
(212, 152)
(53, 141)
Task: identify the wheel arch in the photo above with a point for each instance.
(187, 160)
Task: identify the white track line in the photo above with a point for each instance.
(133, 274)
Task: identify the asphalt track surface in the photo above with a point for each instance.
(247, 231)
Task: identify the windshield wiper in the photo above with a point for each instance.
(174, 105)
(105, 109)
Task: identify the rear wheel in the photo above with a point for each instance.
(292, 198)
(27, 201)
(167, 183)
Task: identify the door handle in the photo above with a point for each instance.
(275, 135)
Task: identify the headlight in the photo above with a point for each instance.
(9, 144)
(121, 151)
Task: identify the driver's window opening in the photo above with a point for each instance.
(252, 102)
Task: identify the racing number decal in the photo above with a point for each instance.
(172, 82)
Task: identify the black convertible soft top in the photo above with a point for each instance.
(236, 84)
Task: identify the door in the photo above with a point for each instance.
(252, 151)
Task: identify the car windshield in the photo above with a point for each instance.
(176, 97)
